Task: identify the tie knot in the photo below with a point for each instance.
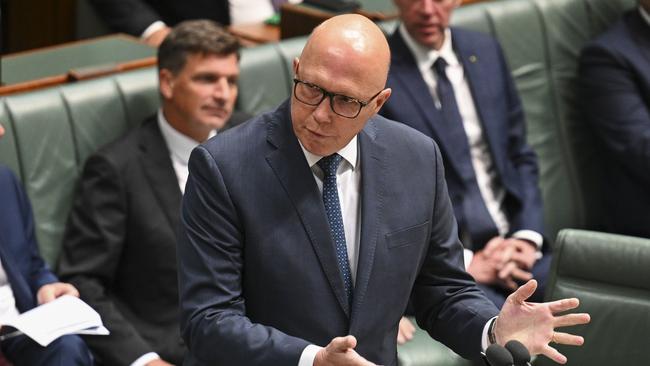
(330, 164)
(440, 66)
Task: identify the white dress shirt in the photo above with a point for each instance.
(252, 11)
(7, 300)
(180, 147)
(492, 192)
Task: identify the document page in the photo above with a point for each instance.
(65, 315)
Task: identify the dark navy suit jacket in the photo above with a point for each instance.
(258, 273)
(134, 16)
(500, 113)
(26, 270)
(615, 95)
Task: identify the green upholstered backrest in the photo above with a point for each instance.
(51, 132)
(266, 76)
(608, 273)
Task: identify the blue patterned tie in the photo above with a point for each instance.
(479, 223)
(329, 165)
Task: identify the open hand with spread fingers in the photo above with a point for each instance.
(534, 324)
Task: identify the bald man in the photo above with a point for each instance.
(305, 230)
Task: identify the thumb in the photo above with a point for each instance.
(492, 245)
(524, 292)
(342, 344)
(45, 294)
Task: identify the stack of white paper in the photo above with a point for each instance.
(65, 315)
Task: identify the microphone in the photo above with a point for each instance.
(498, 356)
(519, 352)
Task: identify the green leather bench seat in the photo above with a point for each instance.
(266, 76)
(609, 273)
(51, 132)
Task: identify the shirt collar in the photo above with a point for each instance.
(644, 15)
(424, 56)
(348, 152)
(179, 145)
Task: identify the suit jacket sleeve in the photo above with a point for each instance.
(93, 245)
(530, 216)
(129, 16)
(613, 103)
(447, 302)
(211, 265)
(39, 272)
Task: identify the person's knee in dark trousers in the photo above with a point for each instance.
(68, 350)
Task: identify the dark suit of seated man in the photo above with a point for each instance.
(151, 19)
(614, 79)
(453, 85)
(26, 281)
(305, 230)
(120, 243)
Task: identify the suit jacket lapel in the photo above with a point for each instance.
(372, 191)
(157, 166)
(19, 286)
(478, 76)
(290, 166)
(405, 70)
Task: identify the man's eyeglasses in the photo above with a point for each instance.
(342, 105)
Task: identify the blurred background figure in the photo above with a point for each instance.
(151, 19)
(120, 243)
(614, 79)
(454, 86)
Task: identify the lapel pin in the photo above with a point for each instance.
(473, 59)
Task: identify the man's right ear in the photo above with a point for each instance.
(296, 61)
(166, 83)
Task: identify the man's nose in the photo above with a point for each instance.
(323, 111)
(427, 7)
(222, 89)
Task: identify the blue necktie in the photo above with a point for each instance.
(479, 225)
(329, 165)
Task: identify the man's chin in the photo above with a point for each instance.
(217, 122)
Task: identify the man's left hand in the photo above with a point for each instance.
(533, 324)
(51, 291)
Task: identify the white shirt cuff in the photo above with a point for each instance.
(467, 256)
(153, 28)
(530, 235)
(308, 355)
(484, 338)
(145, 359)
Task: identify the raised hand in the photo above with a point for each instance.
(534, 324)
